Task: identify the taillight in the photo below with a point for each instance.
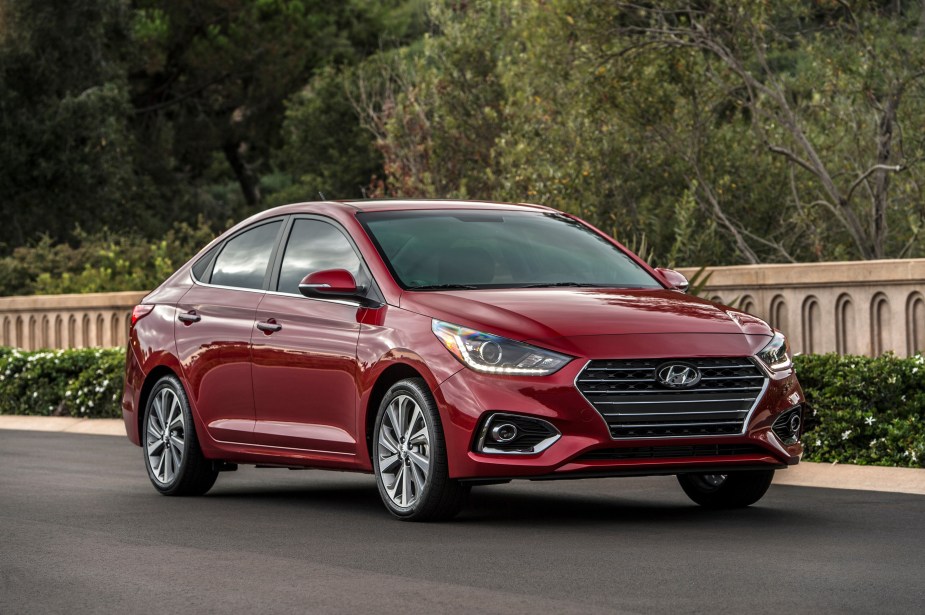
(140, 311)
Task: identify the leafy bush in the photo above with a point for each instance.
(869, 411)
(84, 382)
(100, 262)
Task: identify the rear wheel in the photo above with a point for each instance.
(172, 455)
(409, 456)
(733, 490)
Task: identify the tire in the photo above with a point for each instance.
(412, 472)
(724, 491)
(194, 474)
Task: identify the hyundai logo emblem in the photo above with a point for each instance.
(677, 375)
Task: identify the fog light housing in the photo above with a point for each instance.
(514, 434)
(789, 425)
(503, 432)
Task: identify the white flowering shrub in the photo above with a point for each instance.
(83, 382)
(869, 411)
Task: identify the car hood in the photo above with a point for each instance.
(535, 314)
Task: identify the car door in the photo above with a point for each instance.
(304, 351)
(213, 332)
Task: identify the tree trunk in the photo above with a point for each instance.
(881, 178)
(250, 184)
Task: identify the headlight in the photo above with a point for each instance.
(492, 354)
(776, 355)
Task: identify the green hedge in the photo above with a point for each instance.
(85, 382)
(868, 410)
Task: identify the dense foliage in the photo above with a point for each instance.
(85, 382)
(724, 132)
(868, 411)
(100, 262)
(132, 114)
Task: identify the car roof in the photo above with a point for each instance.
(418, 204)
(356, 206)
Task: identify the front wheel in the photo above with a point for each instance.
(172, 455)
(733, 490)
(409, 456)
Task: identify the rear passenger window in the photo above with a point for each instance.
(201, 268)
(315, 246)
(243, 261)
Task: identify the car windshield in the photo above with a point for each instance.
(432, 250)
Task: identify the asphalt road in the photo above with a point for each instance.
(82, 530)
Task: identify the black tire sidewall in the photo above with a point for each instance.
(740, 489)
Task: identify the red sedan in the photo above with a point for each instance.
(444, 344)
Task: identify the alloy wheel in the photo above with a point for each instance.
(165, 436)
(403, 451)
(714, 480)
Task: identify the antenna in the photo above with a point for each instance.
(321, 194)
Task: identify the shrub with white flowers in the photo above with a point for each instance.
(83, 382)
(868, 410)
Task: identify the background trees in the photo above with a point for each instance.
(723, 133)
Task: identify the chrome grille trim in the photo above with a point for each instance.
(638, 407)
(668, 391)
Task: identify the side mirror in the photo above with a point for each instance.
(330, 284)
(674, 279)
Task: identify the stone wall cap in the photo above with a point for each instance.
(103, 301)
(910, 271)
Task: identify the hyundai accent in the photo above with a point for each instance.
(445, 344)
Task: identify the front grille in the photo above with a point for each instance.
(635, 405)
(672, 452)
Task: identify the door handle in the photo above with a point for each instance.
(270, 326)
(189, 317)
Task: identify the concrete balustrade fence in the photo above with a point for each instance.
(863, 307)
(860, 307)
(67, 321)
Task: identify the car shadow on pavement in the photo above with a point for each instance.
(504, 505)
(574, 510)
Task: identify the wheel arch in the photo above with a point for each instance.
(150, 380)
(395, 372)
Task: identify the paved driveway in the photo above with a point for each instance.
(81, 530)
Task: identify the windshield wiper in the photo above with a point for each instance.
(554, 284)
(443, 287)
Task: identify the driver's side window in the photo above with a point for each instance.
(313, 246)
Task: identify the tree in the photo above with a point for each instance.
(66, 150)
(325, 149)
(217, 74)
(825, 86)
(214, 75)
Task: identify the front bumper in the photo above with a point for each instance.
(467, 396)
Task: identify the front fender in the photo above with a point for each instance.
(383, 354)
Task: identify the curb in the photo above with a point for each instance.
(63, 424)
(848, 476)
(805, 474)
